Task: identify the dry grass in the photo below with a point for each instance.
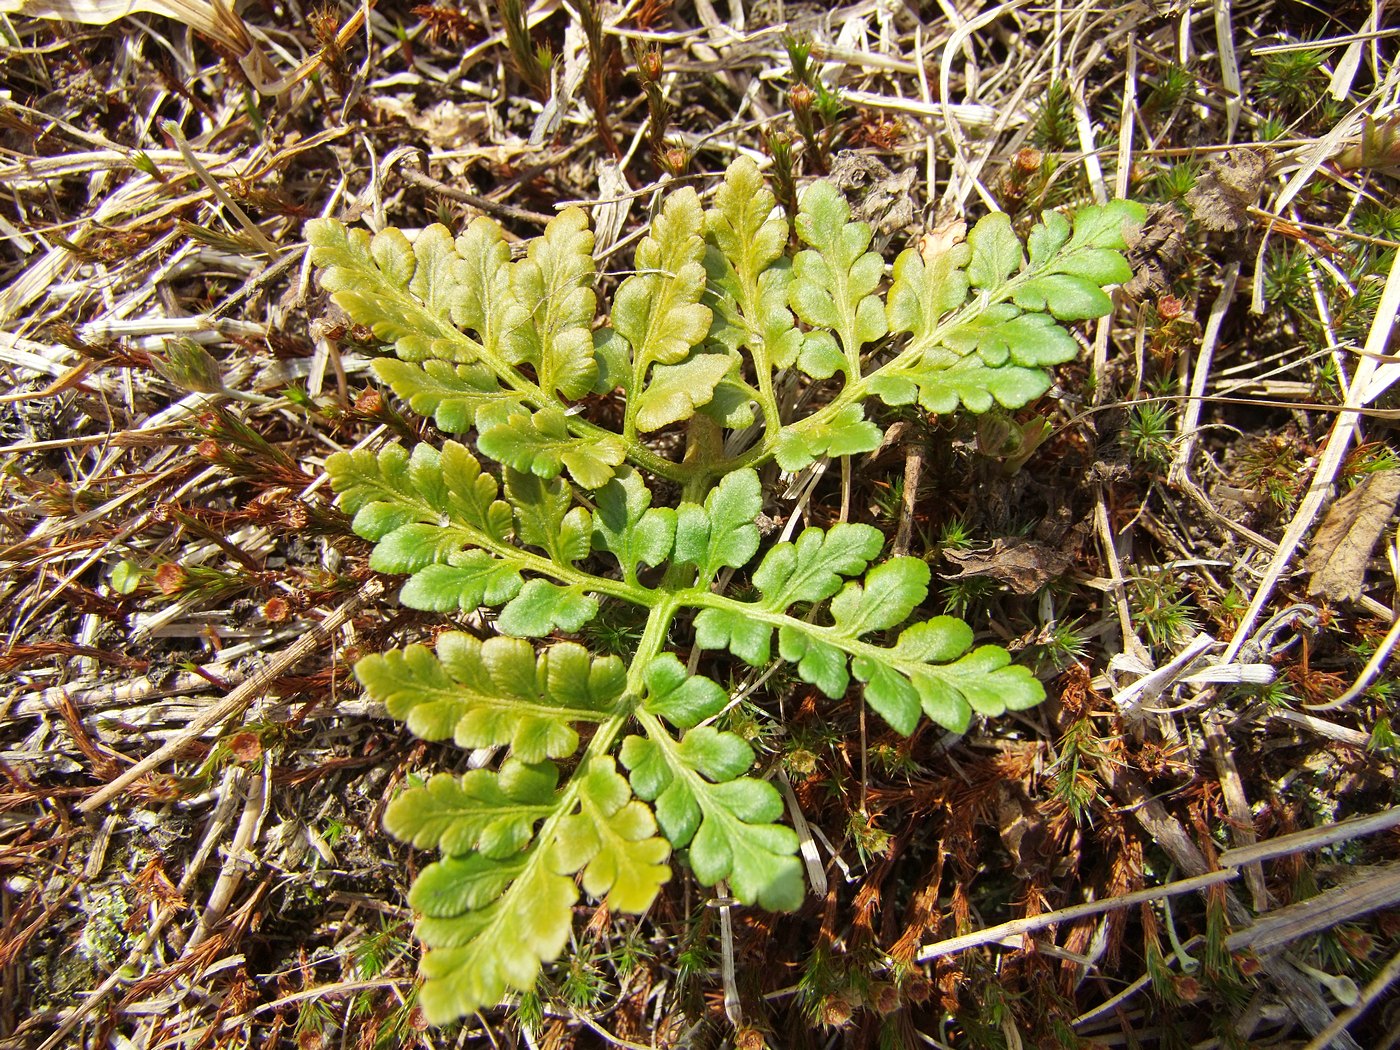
(191, 786)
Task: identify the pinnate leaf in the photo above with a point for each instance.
(890, 592)
(540, 443)
(547, 518)
(738, 842)
(404, 291)
(482, 811)
(942, 381)
(554, 286)
(682, 699)
(451, 394)
(1003, 333)
(612, 839)
(728, 825)
(747, 268)
(658, 309)
(628, 527)
(925, 290)
(541, 608)
(674, 392)
(742, 223)
(474, 956)
(844, 434)
(722, 532)
(810, 570)
(996, 251)
(485, 304)
(469, 580)
(390, 489)
(834, 281)
(426, 511)
(484, 694)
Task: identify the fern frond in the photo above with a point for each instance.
(484, 694)
(727, 820)
(406, 292)
(995, 348)
(834, 281)
(541, 511)
(929, 669)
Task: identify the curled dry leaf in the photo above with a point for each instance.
(1348, 535)
(1157, 252)
(1023, 565)
(1226, 189)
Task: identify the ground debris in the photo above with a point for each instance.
(1342, 548)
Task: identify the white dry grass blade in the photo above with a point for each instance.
(214, 18)
(1229, 66)
(1372, 378)
(1191, 416)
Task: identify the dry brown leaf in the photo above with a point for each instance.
(1157, 251)
(1023, 565)
(1348, 535)
(1227, 188)
(1023, 829)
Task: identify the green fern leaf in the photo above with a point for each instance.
(941, 380)
(468, 580)
(1068, 297)
(996, 252)
(1105, 226)
(385, 491)
(629, 528)
(613, 841)
(889, 594)
(554, 285)
(425, 511)
(485, 304)
(747, 269)
(545, 516)
(457, 884)
(541, 608)
(846, 433)
(475, 955)
(928, 669)
(834, 282)
(404, 291)
(1002, 333)
(484, 694)
(539, 443)
(1047, 237)
(658, 309)
(722, 532)
(484, 812)
(452, 395)
(682, 699)
(927, 286)
(676, 391)
(727, 822)
(810, 570)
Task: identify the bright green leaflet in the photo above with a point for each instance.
(609, 775)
